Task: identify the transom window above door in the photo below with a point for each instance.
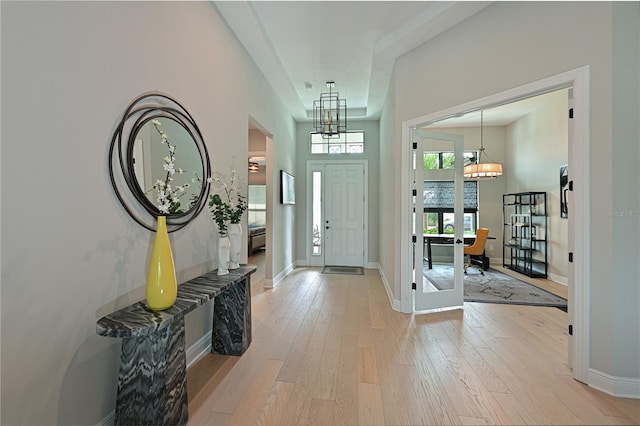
(351, 142)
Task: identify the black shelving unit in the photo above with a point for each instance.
(524, 233)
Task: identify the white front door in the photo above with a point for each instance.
(439, 284)
(344, 212)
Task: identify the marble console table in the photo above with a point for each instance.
(152, 382)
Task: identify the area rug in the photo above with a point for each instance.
(494, 287)
(345, 270)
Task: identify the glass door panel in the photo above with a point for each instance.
(438, 180)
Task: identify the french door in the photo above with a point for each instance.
(438, 271)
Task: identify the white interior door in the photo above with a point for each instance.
(439, 282)
(344, 214)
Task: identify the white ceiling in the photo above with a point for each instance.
(354, 43)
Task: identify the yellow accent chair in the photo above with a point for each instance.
(476, 249)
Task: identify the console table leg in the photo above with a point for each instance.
(231, 330)
(152, 383)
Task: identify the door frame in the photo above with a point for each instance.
(319, 165)
(579, 164)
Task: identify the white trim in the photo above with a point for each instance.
(273, 185)
(278, 278)
(395, 303)
(579, 164)
(405, 262)
(109, 420)
(621, 387)
(559, 279)
(495, 261)
(199, 349)
(373, 265)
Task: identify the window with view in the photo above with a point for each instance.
(351, 142)
(438, 196)
(445, 160)
(257, 206)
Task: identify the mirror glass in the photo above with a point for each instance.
(160, 143)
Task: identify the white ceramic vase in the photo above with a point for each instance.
(223, 255)
(235, 240)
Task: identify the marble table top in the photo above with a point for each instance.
(138, 320)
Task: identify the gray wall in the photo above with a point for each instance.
(389, 182)
(510, 44)
(624, 214)
(537, 147)
(70, 253)
(371, 153)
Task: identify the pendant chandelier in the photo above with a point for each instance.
(330, 114)
(480, 170)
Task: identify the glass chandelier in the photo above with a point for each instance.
(330, 114)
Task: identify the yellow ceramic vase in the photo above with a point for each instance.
(162, 287)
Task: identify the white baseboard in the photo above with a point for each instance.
(559, 279)
(278, 278)
(199, 349)
(303, 263)
(552, 277)
(109, 420)
(622, 387)
(395, 304)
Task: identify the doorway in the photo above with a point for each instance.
(579, 276)
(260, 182)
(336, 220)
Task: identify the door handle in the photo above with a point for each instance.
(327, 227)
(458, 241)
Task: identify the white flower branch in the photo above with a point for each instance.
(167, 195)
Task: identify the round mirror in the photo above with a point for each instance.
(166, 161)
(163, 162)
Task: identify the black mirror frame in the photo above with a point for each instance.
(142, 109)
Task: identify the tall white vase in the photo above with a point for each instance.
(235, 240)
(223, 255)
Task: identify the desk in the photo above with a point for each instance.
(448, 239)
(152, 382)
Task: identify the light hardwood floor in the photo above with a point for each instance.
(329, 350)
